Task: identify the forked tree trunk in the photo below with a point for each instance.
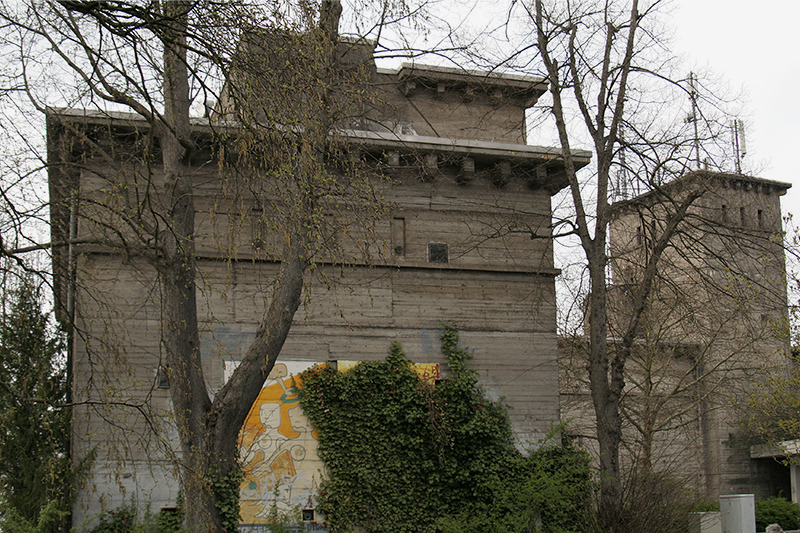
(178, 272)
(606, 374)
(209, 430)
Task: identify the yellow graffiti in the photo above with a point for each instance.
(278, 446)
(278, 451)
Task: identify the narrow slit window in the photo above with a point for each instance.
(438, 253)
(399, 236)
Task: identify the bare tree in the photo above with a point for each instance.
(714, 322)
(606, 74)
(769, 415)
(270, 148)
(608, 79)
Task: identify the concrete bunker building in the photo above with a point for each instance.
(468, 240)
(714, 327)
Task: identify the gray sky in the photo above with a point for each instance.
(755, 47)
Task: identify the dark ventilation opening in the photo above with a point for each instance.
(162, 378)
(437, 253)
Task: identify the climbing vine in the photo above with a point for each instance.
(408, 455)
(226, 493)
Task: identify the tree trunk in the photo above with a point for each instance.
(648, 432)
(209, 431)
(604, 398)
(177, 271)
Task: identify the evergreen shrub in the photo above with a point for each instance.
(777, 511)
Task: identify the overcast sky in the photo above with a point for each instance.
(755, 46)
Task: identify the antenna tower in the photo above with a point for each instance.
(693, 118)
(739, 146)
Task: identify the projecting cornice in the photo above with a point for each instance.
(414, 77)
(702, 180)
(539, 166)
(465, 146)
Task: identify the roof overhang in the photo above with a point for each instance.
(784, 448)
(543, 166)
(528, 87)
(697, 179)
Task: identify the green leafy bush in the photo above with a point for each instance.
(379, 443)
(120, 520)
(777, 511)
(405, 455)
(548, 491)
(126, 520)
(50, 519)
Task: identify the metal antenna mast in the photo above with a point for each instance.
(693, 118)
(739, 148)
(622, 175)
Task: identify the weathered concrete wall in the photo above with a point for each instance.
(458, 112)
(465, 238)
(497, 286)
(715, 327)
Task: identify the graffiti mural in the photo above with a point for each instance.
(278, 445)
(278, 450)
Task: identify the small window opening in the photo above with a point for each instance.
(724, 213)
(162, 379)
(743, 216)
(638, 235)
(760, 218)
(437, 253)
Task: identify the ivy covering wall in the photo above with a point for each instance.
(407, 455)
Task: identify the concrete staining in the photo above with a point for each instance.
(467, 241)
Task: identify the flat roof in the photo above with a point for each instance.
(727, 179)
(466, 147)
(437, 73)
